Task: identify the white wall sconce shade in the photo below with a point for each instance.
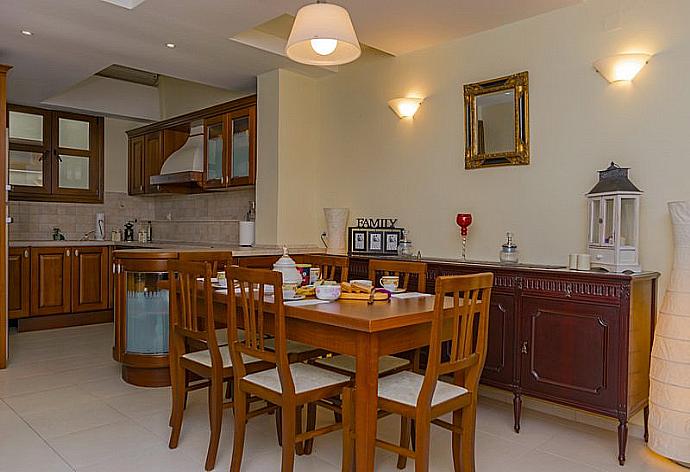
(323, 35)
(405, 107)
(621, 67)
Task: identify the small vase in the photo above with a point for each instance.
(669, 376)
(336, 225)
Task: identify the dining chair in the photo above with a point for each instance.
(407, 271)
(288, 385)
(425, 398)
(332, 267)
(192, 322)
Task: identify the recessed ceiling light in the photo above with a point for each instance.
(27, 33)
(170, 45)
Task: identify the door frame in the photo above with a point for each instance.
(4, 318)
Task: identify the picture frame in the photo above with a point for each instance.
(376, 241)
(391, 239)
(358, 239)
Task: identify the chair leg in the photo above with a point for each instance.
(215, 408)
(421, 461)
(178, 392)
(348, 428)
(299, 447)
(289, 427)
(404, 440)
(311, 425)
(240, 413)
(279, 426)
(469, 420)
(457, 442)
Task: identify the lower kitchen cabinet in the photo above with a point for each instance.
(90, 278)
(51, 269)
(18, 282)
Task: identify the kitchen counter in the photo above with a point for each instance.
(262, 250)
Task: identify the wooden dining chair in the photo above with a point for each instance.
(424, 398)
(290, 386)
(332, 267)
(409, 272)
(192, 322)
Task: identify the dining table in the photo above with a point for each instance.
(366, 331)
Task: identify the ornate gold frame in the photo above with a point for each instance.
(520, 155)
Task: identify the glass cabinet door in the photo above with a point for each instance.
(214, 165)
(74, 137)
(243, 132)
(595, 221)
(629, 214)
(29, 150)
(609, 221)
(147, 325)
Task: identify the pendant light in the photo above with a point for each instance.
(323, 35)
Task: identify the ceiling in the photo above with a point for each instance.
(74, 39)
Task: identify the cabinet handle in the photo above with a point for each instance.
(26, 253)
(68, 253)
(524, 348)
(76, 252)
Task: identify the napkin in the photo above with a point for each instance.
(411, 295)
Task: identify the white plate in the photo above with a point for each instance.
(296, 297)
(399, 290)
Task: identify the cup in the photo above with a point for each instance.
(289, 291)
(390, 282)
(584, 262)
(572, 261)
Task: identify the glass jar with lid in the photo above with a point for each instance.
(405, 248)
(509, 252)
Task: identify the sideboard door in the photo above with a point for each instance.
(500, 353)
(569, 352)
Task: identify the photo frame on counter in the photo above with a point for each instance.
(374, 241)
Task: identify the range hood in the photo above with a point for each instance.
(186, 165)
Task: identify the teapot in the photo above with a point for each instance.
(287, 266)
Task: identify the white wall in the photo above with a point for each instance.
(378, 165)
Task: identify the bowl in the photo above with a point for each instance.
(328, 292)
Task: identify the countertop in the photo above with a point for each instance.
(261, 250)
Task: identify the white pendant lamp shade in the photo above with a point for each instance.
(323, 35)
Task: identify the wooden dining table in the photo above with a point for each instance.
(367, 332)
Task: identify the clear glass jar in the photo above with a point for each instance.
(405, 248)
(509, 252)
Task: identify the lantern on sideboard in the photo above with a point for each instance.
(614, 221)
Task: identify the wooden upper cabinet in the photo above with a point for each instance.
(55, 156)
(215, 151)
(90, 278)
(19, 282)
(153, 159)
(242, 146)
(135, 170)
(50, 280)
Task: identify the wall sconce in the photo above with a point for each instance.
(405, 107)
(621, 67)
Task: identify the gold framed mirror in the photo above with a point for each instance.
(497, 122)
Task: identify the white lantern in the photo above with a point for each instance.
(614, 221)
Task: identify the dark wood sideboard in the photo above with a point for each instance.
(581, 339)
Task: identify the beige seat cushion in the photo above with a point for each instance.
(204, 357)
(293, 347)
(222, 336)
(387, 364)
(404, 387)
(305, 377)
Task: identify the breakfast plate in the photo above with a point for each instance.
(295, 297)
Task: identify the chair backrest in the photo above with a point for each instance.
(407, 271)
(249, 303)
(219, 259)
(332, 267)
(191, 307)
(468, 320)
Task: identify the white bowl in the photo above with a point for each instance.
(328, 292)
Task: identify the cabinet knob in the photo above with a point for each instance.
(524, 348)
(67, 253)
(76, 252)
(26, 253)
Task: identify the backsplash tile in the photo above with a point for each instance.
(204, 218)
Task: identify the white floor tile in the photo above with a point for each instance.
(72, 418)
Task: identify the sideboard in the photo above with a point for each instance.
(581, 339)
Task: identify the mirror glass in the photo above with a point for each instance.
(496, 122)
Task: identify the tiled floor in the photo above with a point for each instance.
(63, 407)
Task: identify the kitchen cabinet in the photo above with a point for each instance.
(230, 149)
(55, 156)
(145, 160)
(90, 278)
(135, 169)
(19, 282)
(580, 339)
(51, 270)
